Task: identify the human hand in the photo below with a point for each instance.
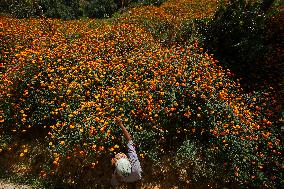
(113, 161)
(118, 121)
(124, 130)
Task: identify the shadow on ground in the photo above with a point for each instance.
(25, 171)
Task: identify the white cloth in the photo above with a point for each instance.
(136, 170)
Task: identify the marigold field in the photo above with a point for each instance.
(64, 82)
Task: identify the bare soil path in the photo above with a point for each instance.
(4, 184)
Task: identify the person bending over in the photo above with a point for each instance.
(127, 168)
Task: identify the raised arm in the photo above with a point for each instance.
(125, 132)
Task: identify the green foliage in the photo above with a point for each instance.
(61, 9)
(203, 164)
(18, 8)
(192, 30)
(100, 8)
(145, 140)
(68, 9)
(237, 35)
(152, 2)
(161, 30)
(50, 8)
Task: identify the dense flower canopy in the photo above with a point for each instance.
(73, 77)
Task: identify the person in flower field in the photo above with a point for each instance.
(127, 168)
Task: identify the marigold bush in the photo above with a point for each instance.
(69, 79)
(166, 22)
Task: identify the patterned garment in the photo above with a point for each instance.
(120, 155)
(136, 170)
